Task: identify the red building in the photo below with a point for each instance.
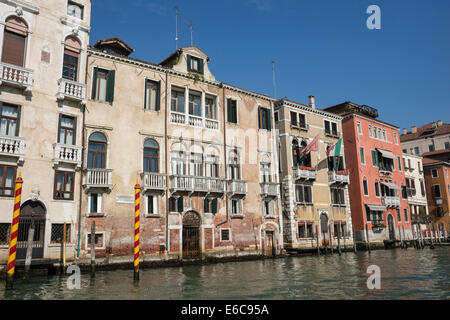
(377, 187)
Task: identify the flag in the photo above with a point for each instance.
(313, 146)
(335, 150)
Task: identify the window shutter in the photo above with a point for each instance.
(269, 119)
(189, 63)
(205, 205)
(13, 49)
(158, 97)
(180, 204)
(19, 109)
(200, 66)
(259, 117)
(94, 84)
(214, 206)
(110, 86)
(74, 131)
(234, 111)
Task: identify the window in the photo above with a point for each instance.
(151, 156)
(303, 193)
(212, 166)
(97, 151)
(434, 173)
(98, 240)
(404, 150)
(276, 115)
(399, 216)
(422, 188)
(177, 162)
(72, 49)
(305, 230)
(103, 85)
(431, 147)
(236, 206)
(57, 234)
(176, 204)
(234, 167)
(14, 42)
(416, 150)
(331, 128)
(194, 64)
(75, 10)
(399, 161)
(264, 172)
(358, 125)
(446, 145)
(95, 203)
(384, 135)
(152, 204)
(210, 205)
(339, 229)
(374, 158)
(7, 182)
(404, 192)
(395, 138)
(366, 189)
(377, 189)
(66, 130)
(225, 235)
(4, 233)
(436, 190)
(268, 207)
(210, 108)
(195, 104)
(361, 152)
(370, 131)
(196, 164)
(151, 95)
(264, 120)
(294, 119)
(405, 211)
(232, 115)
(63, 185)
(337, 195)
(177, 101)
(9, 120)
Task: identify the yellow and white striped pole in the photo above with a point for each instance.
(14, 232)
(137, 193)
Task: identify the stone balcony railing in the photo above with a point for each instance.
(72, 90)
(67, 154)
(16, 76)
(12, 146)
(269, 189)
(338, 177)
(211, 124)
(307, 173)
(197, 184)
(193, 121)
(178, 118)
(153, 181)
(237, 187)
(98, 178)
(391, 201)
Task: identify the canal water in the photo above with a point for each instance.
(405, 274)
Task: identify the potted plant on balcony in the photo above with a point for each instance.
(342, 172)
(378, 226)
(306, 168)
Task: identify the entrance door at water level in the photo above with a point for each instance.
(391, 227)
(270, 243)
(191, 235)
(32, 213)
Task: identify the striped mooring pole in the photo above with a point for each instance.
(14, 232)
(137, 193)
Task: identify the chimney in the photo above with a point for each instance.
(312, 102)
(405, 131)
(413, 129)
(439, 123)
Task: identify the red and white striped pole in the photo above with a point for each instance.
(14, 232)
(137, 193)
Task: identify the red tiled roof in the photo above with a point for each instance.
(430, 161)
(426, 131)
(426, 154)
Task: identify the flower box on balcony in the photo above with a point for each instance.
(307, 168)
(342, 172)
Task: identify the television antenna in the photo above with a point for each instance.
(273, 79)
(190, 29)
(176, 28)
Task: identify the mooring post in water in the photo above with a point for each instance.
(367, 235)
(354, 240)
(431, 238)
(344, 236)
(317, 240)
(404, 237)
(29, 251)
(331, 237)
(437, 236)
(93, 249)
(400, 235)
(339, 238)
(14, 232)
(64, 248)
(137, 194)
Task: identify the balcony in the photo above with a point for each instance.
(98, 178)
(196, 184)
(67, 154)
(391, 201)
(237, 187)
(333, 134)
(71, 90)
(385, 170)
(178, 118)
(16, 76)
(269, 189)
(338, 177)
(12, 146)
(193, 121)
(211, 124)
(307, 173)
(152, 181)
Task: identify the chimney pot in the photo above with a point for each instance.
(405, 131)
(439, 123)
(312, 102)
(413, 129)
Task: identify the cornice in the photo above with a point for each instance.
(20, 5)
(302, 107)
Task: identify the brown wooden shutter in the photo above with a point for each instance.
(13, 49)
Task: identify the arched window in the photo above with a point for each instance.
(234, 166)
(295, 153)
(97, 151)
(72, 48)
(14, 41)
(151, 156)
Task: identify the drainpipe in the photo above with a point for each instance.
(275, 145)
(166, 166)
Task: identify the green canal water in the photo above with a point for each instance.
(405, 274)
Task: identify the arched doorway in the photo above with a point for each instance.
(391, 227)
(31, 213)
(191, 235)
(324, 228)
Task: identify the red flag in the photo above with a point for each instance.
(313, 146)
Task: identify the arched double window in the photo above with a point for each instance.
(97, 151)
(72, 49)
(151, 156)
(297, 158)
(234, 165)
(14, 41)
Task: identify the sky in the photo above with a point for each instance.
(321, 48)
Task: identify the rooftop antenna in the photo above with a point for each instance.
(176, 28)
(274, 83)
(190, 29)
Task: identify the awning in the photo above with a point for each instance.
(391, 185)
(376, 207)
(386, 154)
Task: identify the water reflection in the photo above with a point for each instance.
(405, 274)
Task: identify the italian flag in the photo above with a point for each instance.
(335, 150)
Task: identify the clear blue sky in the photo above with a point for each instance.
(320, 47)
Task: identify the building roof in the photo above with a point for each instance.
(428, 130)
(115, 44)
(178, 52)
(436, 152)
(432, 162)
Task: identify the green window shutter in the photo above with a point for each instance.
(235, 112)
(200, 66)
(94, 84)
(110, 86)
(259, 117)
(189, 63)
(228, 110)
(269, 120)
(214, 206)
(205, 205)
(158, 96)
(180, 204)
